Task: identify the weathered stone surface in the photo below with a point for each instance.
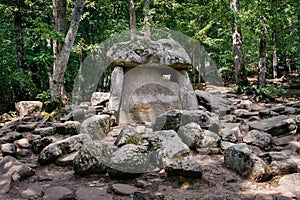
(258, 138)
(281, 163)
(22, 143)
(290, 183)
(285, 140)
(78, 114)
(92, 193)
(213, 103)
(28, 107)
(32, 192)
(145, 195)
(8, 149)
(97, 126)
(100, 98)
(245, 104)
(14, 168)
(5, 117)
(165, 144)
(188, 97)
(28, 127)
(67, 159)
(209, 143)
(173, 119)
(46, 131)
(231, 132)
(57, 193)
(275, 126)
(67, 128)
(38, 145)
(129, 160)
(5, 181)
(123, 189)
(116, 90)
(55, 150)
(187, 167)
(93, 157)
(128, 135)
(261, 171)
(142, 50)
(190, 134)
(10, 137)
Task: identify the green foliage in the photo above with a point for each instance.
(50, 104)
(268, 94)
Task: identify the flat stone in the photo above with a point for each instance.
(38, 145)
(285, 140)
(290, 183)
(57, 193)
(258, 138)
(275, 126)
(66, 160)
(100, 98)
(8, 149)
(248, 114)
(22, 143)
(28, 127)
(67, 128)
(46, 131)
(93, 193)
(143, 195)
(5, 181)
(32, 192)
(10, 137)
(123, 189)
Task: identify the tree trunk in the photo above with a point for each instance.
(132, 19)
(298, 37)
(275, 57)
(146, 18)
(262, 52)
(237, 42)
(63, 58)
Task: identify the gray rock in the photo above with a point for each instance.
(290, 183)
(173, 119)
(11, 137)
(28, 127)
(248, 114)
(46, 131)
(165, 144)
(190, 134)
(281, 163)
(9, 149)
(213, 103)
(67, 159)
(128, 135)
(58, 193)
(209, 143)
(55, 150)
(28, 107)
(261, 171)
(128, 161)
(78, 114)
(285, 140)
(123, 189)
(278, 108)
(22, 143)
(38, 145)
(146, 195)
(67, 128)
(187, 95)
(100, 98)
(231, 132)
(93, 157)
(5, 183)
(258, 138)
(275, 126)
(96, 126)
(92, 193)
(14, 168)
(224, 144)
(142, 50)
(245, 104)
(33, 192)
(116, 90)
(187, 167)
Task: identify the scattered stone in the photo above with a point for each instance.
(96, 126)
(93, 157)
(116, 89)
(78, 114)
(146, 195)
(123, 189)
(32, 137)
(248, 114)
(5, 117)
(285, 140)
(245, 104)
(290, 183)
(190, 134)
(33, 192)
(264, 113)
(55, 150)
(58, 193)
(92, 193)
(128, 135)
(28, 107)
(38, 145)
(28, 127)
(278, 109)
(188, 167)
(275, 126)
(142, 184)
(258, 138)
(22, 143)
(281, 163)
(209, 143)
(67, 159)
(5, 181)
(11, 137)
(231, 132)
(8, 149)
(14, 168)
(100, 98)
(67, 128)
(43, 132)
(224, 144)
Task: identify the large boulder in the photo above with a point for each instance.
(275, 126)
(55, 150)
(93, 157)
(142, 50)
(173, 119)
(96, 126)
(28, 107)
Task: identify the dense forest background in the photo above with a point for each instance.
(254, 38)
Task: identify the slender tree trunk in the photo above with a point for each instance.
(237, 42)
(262, 51)
(63, 58)
(19, 43)
(298, 36)
(146, 18)
(275, 57)
(132, 19)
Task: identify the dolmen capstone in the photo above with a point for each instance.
(149, 78)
